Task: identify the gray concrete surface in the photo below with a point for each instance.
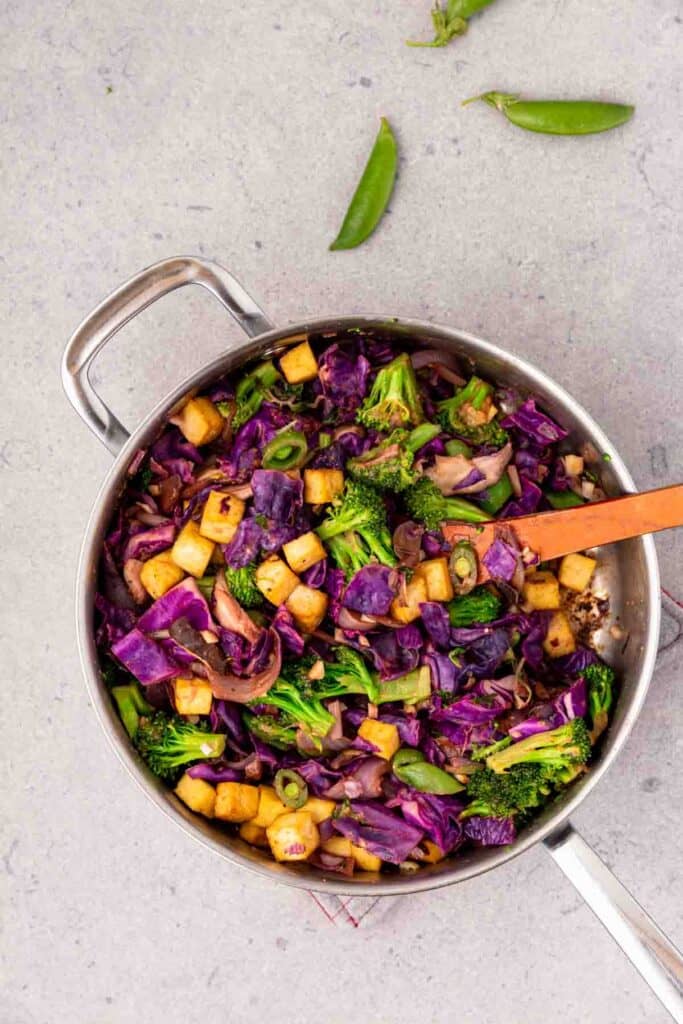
(133, 131)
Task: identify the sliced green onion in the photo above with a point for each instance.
(463, 567)
(287, 450)
(291, 788)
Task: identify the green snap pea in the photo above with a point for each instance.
(412, 769)
(457, 447)
(372, 195)
(451, 21)
(564, 499)
(498, 494)
(558, 117)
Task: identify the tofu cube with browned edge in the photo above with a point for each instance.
(293, 836)
(383, 735)
(541, 591)
(559, 639)
(275, 580)
(299, 364)
(221, 516)
(406, 607)
(236, 801)
(159, 574)
(199, 421)
(304, 551)
(319, 808)
(197, 794)
(192, 696)
(364, 860)
(270, 807)
(322, 485)
(253, 834)
(434, 571)
(191, 551)
(308, 607)
(576, 571)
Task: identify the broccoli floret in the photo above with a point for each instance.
(480, 605)
(560, 751)
(242, 585)
(252, 391)
(520, 789)
(130, 704)
(394, 399)
(425, 502)
(600, 681)
(389, 465)
(348, 553)
(467, 414)
(271, 730)
(349, 673)
(360, 513)
(299, 706)
(167, 743)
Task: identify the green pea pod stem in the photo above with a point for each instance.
(451, 21)
(427, 778)
(372, 195)
(558, 117)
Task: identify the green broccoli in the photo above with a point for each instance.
(480, 605)
(253, 390)
(361, 517)
(167, 743)
(299, 706)
(394, 399)
(520, 789)
(130, 704)
(466, 414)
(271, 730)
(561, 752)
(411, 688)
(389, 465)
(600, 681)
(349, 673)
(242, 585)
(425, 502)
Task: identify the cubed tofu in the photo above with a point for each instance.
(253, 834)
(432, 853)
(319, 809)
(275, 580)
(435, 573)
(541, 591)
(383, 735)
(406, 607)
(299, 364)
(221, 516)
(576, 571)
(159, 574)
(559, 639)
(192, 696)
(339, 845)
(270, 807)
(199, 420)
(308, 606)
(191, 551)
(304, 551)
(293, 836)
(198, 794)
(322, 485)
(573, 464)
(236, 801)
(365, 861)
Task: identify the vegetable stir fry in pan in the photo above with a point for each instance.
(292, 645)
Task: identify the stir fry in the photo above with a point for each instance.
(292, 645)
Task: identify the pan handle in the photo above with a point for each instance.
(121, 306)
(646, 946)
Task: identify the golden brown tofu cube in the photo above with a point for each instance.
(253, 834)
(299, 364)
(365, 861)
(221, 516)
(573, 464)
(308, 606)
(542, 591)
(199, 420)
(576, 571)
(319, 809)
(270, 807)
(191, 551)
(293, 836)
(434, 572)
(304, 551)
(322, 485)
(198, 794)
(192, 696)
(383, 735)
(339, 845)
(159, 574)
(559, 639)
(406, 607)
(275, 580)
(236, 801)
(433, 853)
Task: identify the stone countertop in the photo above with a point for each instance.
(238, 130)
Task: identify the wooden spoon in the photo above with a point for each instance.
(553, 534)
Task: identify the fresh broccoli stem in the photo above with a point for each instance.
(479, 606)
(425, 502)
(168, 743)
(271, 730)
(348, 674)
(559, 751)
(131, 703)
(600, 681)
(394, 399)
(410, 688)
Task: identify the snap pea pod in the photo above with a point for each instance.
(372, 195)
(564, 499)
(410, 767)
(451, 21)
(558, 117)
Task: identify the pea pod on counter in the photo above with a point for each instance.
(451, 21)
(558, 117)
(372, 195)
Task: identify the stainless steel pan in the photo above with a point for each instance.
(628, 570)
